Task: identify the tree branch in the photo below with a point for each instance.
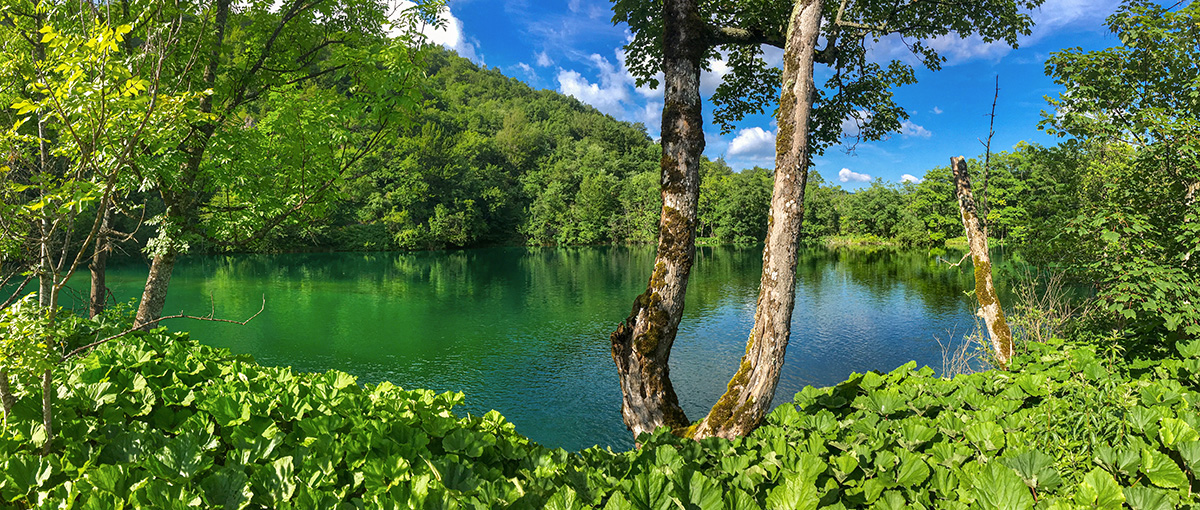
(733, 35)
(208, 318)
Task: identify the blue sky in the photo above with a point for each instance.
(572, 47)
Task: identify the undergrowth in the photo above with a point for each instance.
(159, 421)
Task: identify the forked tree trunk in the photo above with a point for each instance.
(989, 306)
(641, 345)
(99, 293)
(748, 395)
(154, 296)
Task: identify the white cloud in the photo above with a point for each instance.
(1052, 17)
(753, 143)
(450, 35)
(910, 178)
(957, 49)
(614, 91)
(528, 70)
(846, 175)
(607, 98)
(909, 128)
(543, 60)
(937, 111)
(709, 80)
(651, 117)
(852, 125)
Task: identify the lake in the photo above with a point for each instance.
(525, 330)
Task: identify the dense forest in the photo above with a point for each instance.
(174, 128)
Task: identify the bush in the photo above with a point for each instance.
(159, 421)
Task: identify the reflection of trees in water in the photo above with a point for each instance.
(883, 270)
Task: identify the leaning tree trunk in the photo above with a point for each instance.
(989, 306)
(181, 207)
(641, 345)
(748, 395)
(154, 296)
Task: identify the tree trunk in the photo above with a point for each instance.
(985, 291)
(99, 293)
(748, 395)
(47, 410)
(641, 346)
(180, 207)
(7, 401)
(155, 294)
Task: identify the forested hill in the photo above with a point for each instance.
(490, 160)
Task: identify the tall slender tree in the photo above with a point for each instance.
(810, 120)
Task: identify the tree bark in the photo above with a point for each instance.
(7, 401)
(154, 296)
(99, 293)
(180, 207)
(989, 306)
(749, 393)
(48, 410)
(641, 345)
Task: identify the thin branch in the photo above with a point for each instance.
(208, 318)
(960, 261)
(17, 293)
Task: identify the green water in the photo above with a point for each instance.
(525, 330)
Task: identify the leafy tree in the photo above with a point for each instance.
(683, 38)
(1137, 230)
(256, 64)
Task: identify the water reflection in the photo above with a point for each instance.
(525, 330)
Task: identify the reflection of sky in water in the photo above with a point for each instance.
(525, 331)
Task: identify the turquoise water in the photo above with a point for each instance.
(525, 330)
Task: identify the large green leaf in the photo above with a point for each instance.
(1148, 498)
(997, 487)
(227, 488)
(1036, 470)
(1172, 431)
(1099, 491)
(703, 492)
(650, 492)
(794, 493)
(1161, 470)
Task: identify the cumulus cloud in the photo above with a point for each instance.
(753, 143)
(1052, 17)
(910, 178)
(846, 175)
(543, 60)
(606, 97)
(450, 35)
(613, 90)
(909, 128)
(937, 111)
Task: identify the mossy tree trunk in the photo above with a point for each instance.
(748, 395)
(989, 305)
(641, 345)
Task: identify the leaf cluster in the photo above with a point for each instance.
(159, 421)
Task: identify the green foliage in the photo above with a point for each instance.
(156, 421)
(1138, 210)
